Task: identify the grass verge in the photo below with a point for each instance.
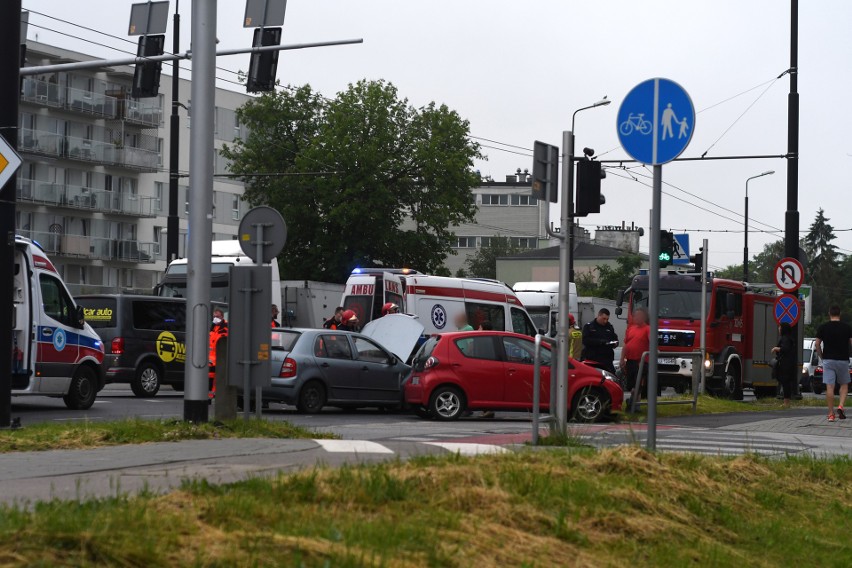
(584, 508)
(712, 405)
(75, 436)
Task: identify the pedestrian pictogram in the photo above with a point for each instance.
(789, 274)
(787, 309)
(656, 121)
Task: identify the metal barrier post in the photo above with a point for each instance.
(537, 419)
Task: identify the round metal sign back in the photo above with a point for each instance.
(263, 233)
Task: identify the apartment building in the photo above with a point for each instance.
(93, 189)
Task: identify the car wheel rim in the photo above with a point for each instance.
(149, 379)
(312, 398)
(447, 404)
(589, 407)
(84, 388)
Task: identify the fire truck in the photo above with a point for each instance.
(741, 331)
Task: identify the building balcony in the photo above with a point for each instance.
(91, 103)
(76, 197)
(40, 142)
(95, 248)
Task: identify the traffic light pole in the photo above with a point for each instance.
(565, 261)
(653, 305)
(173, 221)
(10, 92)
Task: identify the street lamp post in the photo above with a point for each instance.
(745, 223)
(566, 264)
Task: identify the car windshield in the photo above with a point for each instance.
(284, 340)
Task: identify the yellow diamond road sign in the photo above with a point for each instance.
(10, 161)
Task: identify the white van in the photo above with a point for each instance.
(223, 255)
(55, 352)
(436, 300)
(541, 300)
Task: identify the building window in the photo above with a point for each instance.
(159, 151)
(159, 189)
(523, 200)
(523, 242)
(237, 130)
(465, 242)
(158, 239)
(235, 208)
(494, 199)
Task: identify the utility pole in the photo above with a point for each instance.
(203, 92)
(173, 221)
(10, 92)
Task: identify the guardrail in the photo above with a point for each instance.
(537, 418)
(643, 362)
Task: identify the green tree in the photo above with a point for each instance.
(612, 279)
(483, 263)
(824, 266)
(363, 179)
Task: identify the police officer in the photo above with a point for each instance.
(599, 341)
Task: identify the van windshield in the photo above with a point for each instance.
(540, 317)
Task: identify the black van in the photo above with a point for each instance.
(144, 339)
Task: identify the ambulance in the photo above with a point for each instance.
(54, 351)
(436, 300)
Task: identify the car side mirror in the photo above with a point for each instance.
(618, 310)
(81, 317)
(619, 300)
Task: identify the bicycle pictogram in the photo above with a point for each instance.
(637, 122)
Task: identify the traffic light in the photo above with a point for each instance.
(698, 259)
(667, 246)
(589, 198)
(545, 172)
(264, 65)
(146, 76)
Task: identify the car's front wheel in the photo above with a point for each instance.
(312, 398)
(447, 403)
(590, 405)
(83, 390)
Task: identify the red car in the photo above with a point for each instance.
(493, 370)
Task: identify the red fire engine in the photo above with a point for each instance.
(741, 331)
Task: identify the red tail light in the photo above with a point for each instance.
(288, 369)
(431, 362)
(117, 347)
(818, 369)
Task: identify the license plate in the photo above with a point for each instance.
(666, 361)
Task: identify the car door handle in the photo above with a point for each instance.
(365, 368)
(325, 365)
(47, 332)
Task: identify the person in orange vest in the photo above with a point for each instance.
(218, 330)
(274, 322)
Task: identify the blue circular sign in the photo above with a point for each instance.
(787, 309)
(656, 121)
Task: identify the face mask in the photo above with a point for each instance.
(217, 321)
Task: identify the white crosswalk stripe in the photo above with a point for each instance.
(469, 449)
(353, 446)
(728, 446)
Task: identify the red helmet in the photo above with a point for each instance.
(349, 316)
(390, 308)
(571, 319)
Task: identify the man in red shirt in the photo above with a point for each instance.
(637, 340)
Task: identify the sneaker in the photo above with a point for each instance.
(840, 413)
(831, 417)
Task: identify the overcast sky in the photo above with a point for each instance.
(517, 71)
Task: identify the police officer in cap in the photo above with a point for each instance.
(600, 341)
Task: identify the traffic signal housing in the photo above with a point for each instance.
(263, 66)
(698, 259)
(146, 76)
(589, 198)
(667, 248)
(545, 172)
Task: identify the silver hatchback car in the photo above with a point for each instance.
(313, 368)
